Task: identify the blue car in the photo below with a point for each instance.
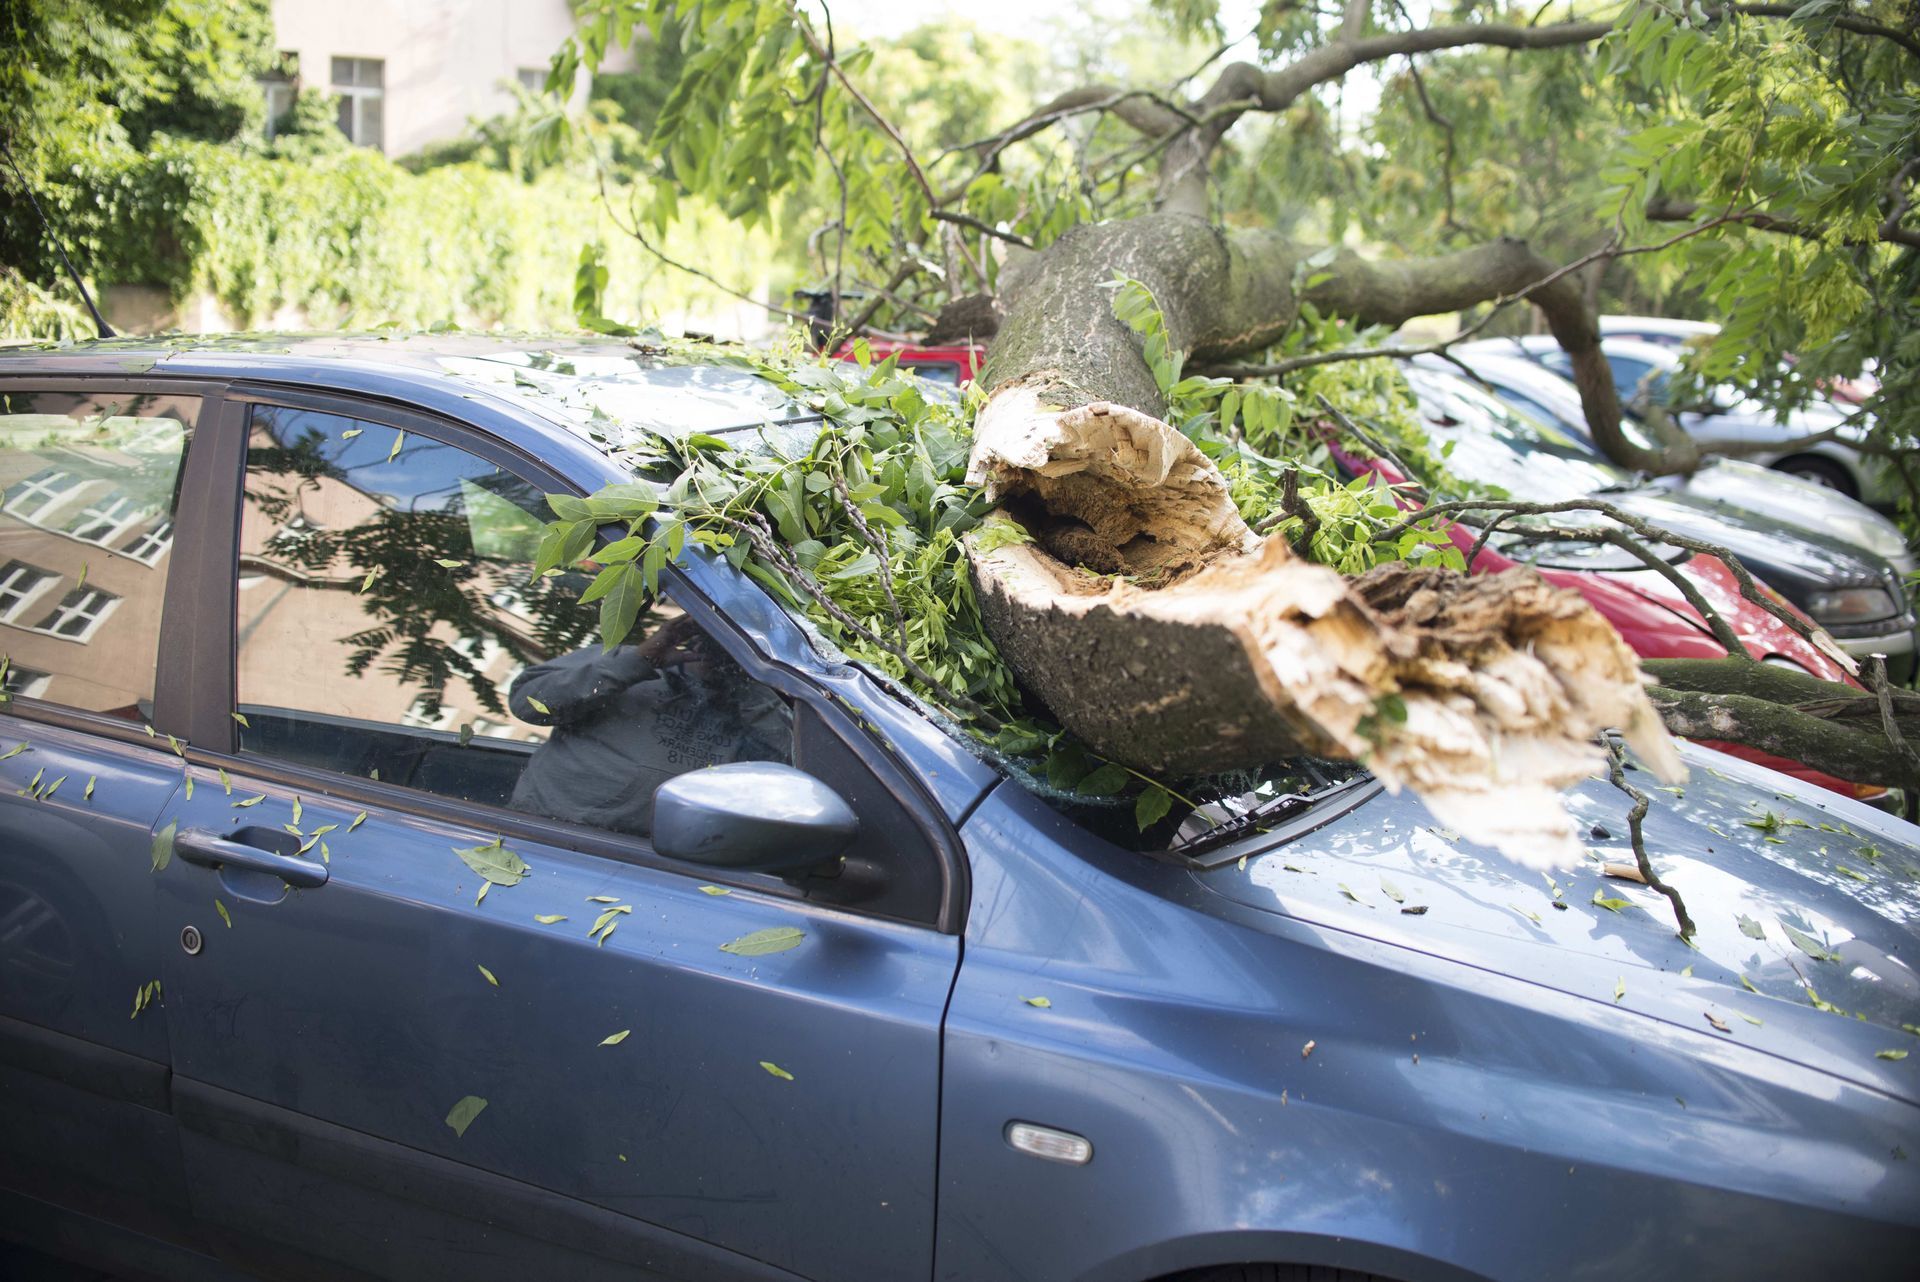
(360, 917)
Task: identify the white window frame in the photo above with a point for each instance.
(9, 574)
(355, 96)
(149, 546)
(41, 485)
(115, 510)
(93, 604)
(26, 683)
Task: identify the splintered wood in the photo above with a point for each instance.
(1208, 648)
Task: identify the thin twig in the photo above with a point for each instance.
(1616, 769)
(877, 540)
(987, 229)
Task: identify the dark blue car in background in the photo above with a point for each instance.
(344, 934)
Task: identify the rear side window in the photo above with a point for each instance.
(391, 627)
(91, 484)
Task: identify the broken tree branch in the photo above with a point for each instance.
(1616, 770)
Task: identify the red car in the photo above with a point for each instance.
(950, 365)
(1643, 605)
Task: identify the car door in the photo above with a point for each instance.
(92, 475)
(449, 1015)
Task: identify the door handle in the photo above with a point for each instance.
(210, 850)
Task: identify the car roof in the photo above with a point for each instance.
(615, 394)
(1656, 325)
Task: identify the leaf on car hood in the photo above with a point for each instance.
(495, 862)
(775, 939)
(463, 1113)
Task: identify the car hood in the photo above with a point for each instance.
(1787, 501)
(1796, 561)
(1807, 906)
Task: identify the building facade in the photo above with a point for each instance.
(407, 73)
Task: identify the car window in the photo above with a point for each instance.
(391, 627)
(91, 484)
(1494, 445)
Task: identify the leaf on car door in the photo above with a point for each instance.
(463, 1113)
(776, 1070)
(163, 845)
(500, 866)
(547, 919)
(488, 975)
(616, 1038)
(225, 916)
(775, 939)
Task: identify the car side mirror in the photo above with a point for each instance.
(756, 816)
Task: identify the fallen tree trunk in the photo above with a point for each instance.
(1206, 648)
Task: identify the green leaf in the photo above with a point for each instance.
(620, 604)
(463, 1113)
(1103, 782)
(14, 751)
(357, 821)
(776, 1070)
(1809, 945)
(715, 890)
(1600, 899)
(241, 718)
(444, 563)
(775, 939)
(399, 439)
(548, 919)
(244, 802)
(1042, 1002)
(1151, 807)
(487, 974)
(1751, 928)
(494, 862)
(91, 781)
(600, 899)
(1893, 1055)
(1619, 988)
(1392, 892)
(163, 845)
(616, 1038)
(225, 916)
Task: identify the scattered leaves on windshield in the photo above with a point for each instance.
(1893, 1055)
(463, 1113)
(1809, 945)
(225, 916)
(1042, 1002)
(776, 1070)
(487, 975)
(494, 862)
(616, 1038)
(163, 845)
(774, 939)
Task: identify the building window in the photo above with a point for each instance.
(77, 617)
(31, 498)
(150, 545)
(533, 79)
(25, 682)
(106, 519)
(20, 584)
(359, 83)
(281, 86)
(422, 713)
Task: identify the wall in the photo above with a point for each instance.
(446, 60)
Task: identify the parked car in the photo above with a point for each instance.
(950, 365)
(1675, 335)
(1839, 561)
(1493, 446)
(301, 977)
(1641, 368)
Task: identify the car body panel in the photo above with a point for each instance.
(1323, 1096)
